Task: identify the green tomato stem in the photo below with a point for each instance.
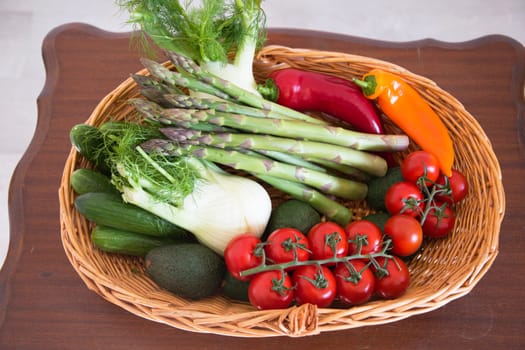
(263, 267)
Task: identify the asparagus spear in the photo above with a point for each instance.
(177, 79)
(186, 136)
(327, 206)
(277, 127)
(193, 102)
(195, 78)
(291, 159)
(353, 173)
(311, 163)
(330, 208)
(333, 210)
(155, 90)
(364, 161)
(324, 182)
(283, 158)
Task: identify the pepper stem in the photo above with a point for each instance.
(269, 90)
(368, 85)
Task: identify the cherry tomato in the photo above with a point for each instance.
(406, 234)
(418, 164)
(355, 282)
(314, 284)
(404, 198)
(271, 290)
(455, 188)
(439, 221)
(368, 234)
(285, 245)
(392, 279)
(326, 240)
(242, 253)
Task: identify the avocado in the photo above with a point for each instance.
(292, 213)
(377, 188)
(235, 289)
(379, 219)
(189, 270)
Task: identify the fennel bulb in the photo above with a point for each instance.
(224, 206)
(193, 194)
(220, 207)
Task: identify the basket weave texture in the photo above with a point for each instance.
(445, 270)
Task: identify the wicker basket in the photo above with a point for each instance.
(446, 270)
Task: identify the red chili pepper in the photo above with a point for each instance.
(338, 97)
(311, 91)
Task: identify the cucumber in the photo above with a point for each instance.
(378, 187)
(110, 210)
(88, 140)
(87, 180)
(112, 240)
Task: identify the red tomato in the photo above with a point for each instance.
(326, 240)
(355, 282)
(439, 221)
(368, 233)
(406, 234)
(420, 164)
(404, 198)
(285, 245)
(243, 253)
(314, 284)
(454, 188)
(392, 279)
(271, 290)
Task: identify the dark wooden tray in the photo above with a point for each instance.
(45, 305)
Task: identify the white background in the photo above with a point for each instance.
(25, 23)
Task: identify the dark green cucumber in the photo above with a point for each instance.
(112, 240)
(86, 180)
(88, 141)
(110, 210)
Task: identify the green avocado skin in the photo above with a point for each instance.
(378, 187)
(292, 213)
(189, 270)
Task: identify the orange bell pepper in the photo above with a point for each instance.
(409, 111)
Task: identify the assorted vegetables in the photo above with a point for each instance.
(187, 184)
(286, 160)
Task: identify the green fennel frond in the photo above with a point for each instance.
(209, 32)
(166, 179)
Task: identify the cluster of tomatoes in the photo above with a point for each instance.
(350, 264)
(426, 196)
(330, 263)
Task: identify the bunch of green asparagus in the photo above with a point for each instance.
(303, 156)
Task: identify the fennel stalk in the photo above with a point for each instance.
(222, 36)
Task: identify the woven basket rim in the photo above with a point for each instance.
(224, 317)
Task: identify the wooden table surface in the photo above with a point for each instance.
(45, 305)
